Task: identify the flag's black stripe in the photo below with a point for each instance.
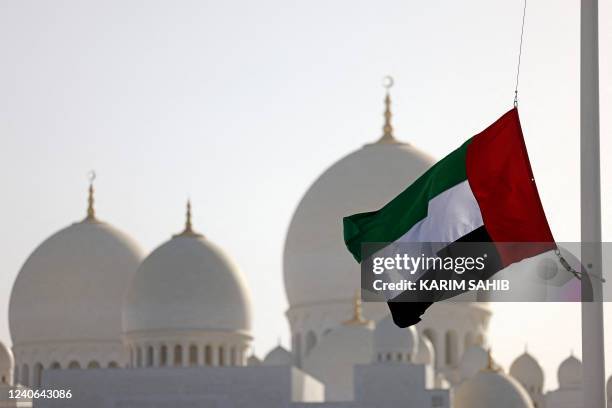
(408, 307)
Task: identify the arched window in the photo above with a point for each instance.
(4, 379)
(74, 365)
(25, 375)
(55, 365)
(149, 358)
(451, 348)
(221, 356)
(311, 341)
(93, 364)
(208, 353)
(113, 364)
(163, 355)
(138, 356)
(193, 355)
(178, 355)
(38, 369)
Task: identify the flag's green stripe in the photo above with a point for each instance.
(409, 207)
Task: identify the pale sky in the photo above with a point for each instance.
(240, 105)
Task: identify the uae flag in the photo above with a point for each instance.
(484, 192)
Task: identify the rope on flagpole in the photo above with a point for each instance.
(518, 67)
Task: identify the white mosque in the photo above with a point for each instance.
(91, 313)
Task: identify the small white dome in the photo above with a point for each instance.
(71, 287)
(7, 364)
(278, 356)
(474, 359)
(489, 388)
(188, 283)
(394, 344)
(425, 353)
(570, 373)
(253, 360)
(528, 372)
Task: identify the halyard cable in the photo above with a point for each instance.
(518, 67)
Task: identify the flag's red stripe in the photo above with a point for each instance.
(501, 179)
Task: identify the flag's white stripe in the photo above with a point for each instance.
(451, 215)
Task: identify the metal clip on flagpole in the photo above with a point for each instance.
(570, 269)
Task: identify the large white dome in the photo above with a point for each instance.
(316, 265)
(320, 275)
(65, 306)
(71, 287)
(188, 283)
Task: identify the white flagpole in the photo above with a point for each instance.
(590, 207)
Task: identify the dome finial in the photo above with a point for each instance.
(91, 211)
(188, 227)
(491, 366)
(357, 319)
(387, 136)
(188, 231)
